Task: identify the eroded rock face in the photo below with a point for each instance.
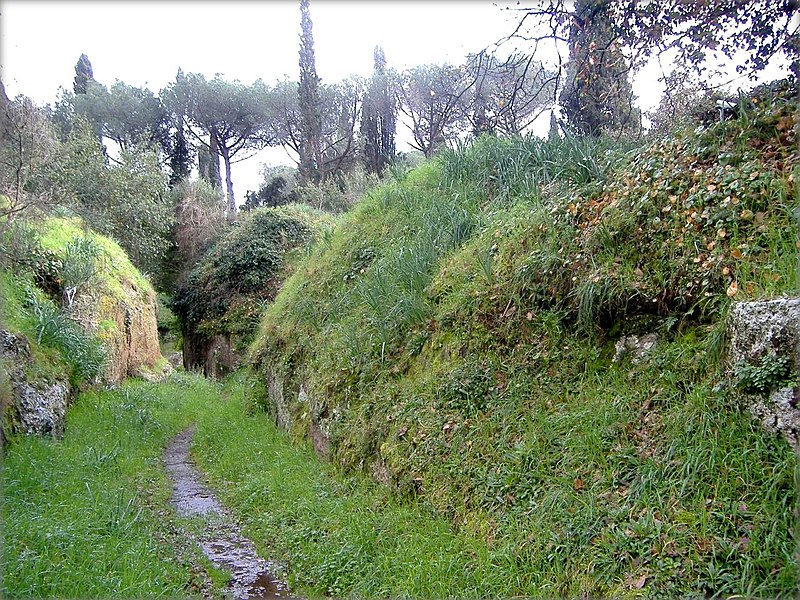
(319, 423)
(769, 329)
(127, 326)
(35, 407)
(275, 391)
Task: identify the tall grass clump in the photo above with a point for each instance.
(518, 167)
(82, 351)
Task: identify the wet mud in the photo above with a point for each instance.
(252, 577)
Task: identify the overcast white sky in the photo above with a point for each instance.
(144, 43)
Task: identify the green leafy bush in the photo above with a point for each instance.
(126, 200)
(223, 293)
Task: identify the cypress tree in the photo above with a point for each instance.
(310, 168)
(379, 119)
(597, 97)
(208, 161)
(83, 75)
(180, 162)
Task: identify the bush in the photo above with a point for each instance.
(127, 201)
(248, 262)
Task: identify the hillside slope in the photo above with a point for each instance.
(75, 310)
(463, 334)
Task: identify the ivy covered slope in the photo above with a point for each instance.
(219, 302)
(455, 338)
(74, 310)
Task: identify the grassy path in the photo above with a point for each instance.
(90, 515)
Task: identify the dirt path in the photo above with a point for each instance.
(222, 541)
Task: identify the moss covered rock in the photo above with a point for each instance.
(115, 303)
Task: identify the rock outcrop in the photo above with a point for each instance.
(126, 322)
(761, 334)
(109, 299)
(35, 405)
(319, 422)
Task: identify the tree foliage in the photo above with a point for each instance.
(181, 154)
(270, 195)
(597, 96)
(340, 106)
(126, 200)
(83, 75)
(126, 114)
(227, 118)
(431, 96)
(694, 34)
(28, 144)
(508, 95)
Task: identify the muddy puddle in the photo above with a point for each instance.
(252, 577)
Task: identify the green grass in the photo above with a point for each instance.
(114, 267)
(344, 536)
(82, 515)
(586, 498)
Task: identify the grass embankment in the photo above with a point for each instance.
(64, 289)
(88, 516)
(455, 336)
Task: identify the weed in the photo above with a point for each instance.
(771, 372)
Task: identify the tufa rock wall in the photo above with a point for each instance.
(30, 406)
(281, 400)
(761, 334)
(127, 325)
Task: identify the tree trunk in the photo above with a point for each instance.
(214, 150)
(228, 181)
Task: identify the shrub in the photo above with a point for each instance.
(771, 372)
(248, 261)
